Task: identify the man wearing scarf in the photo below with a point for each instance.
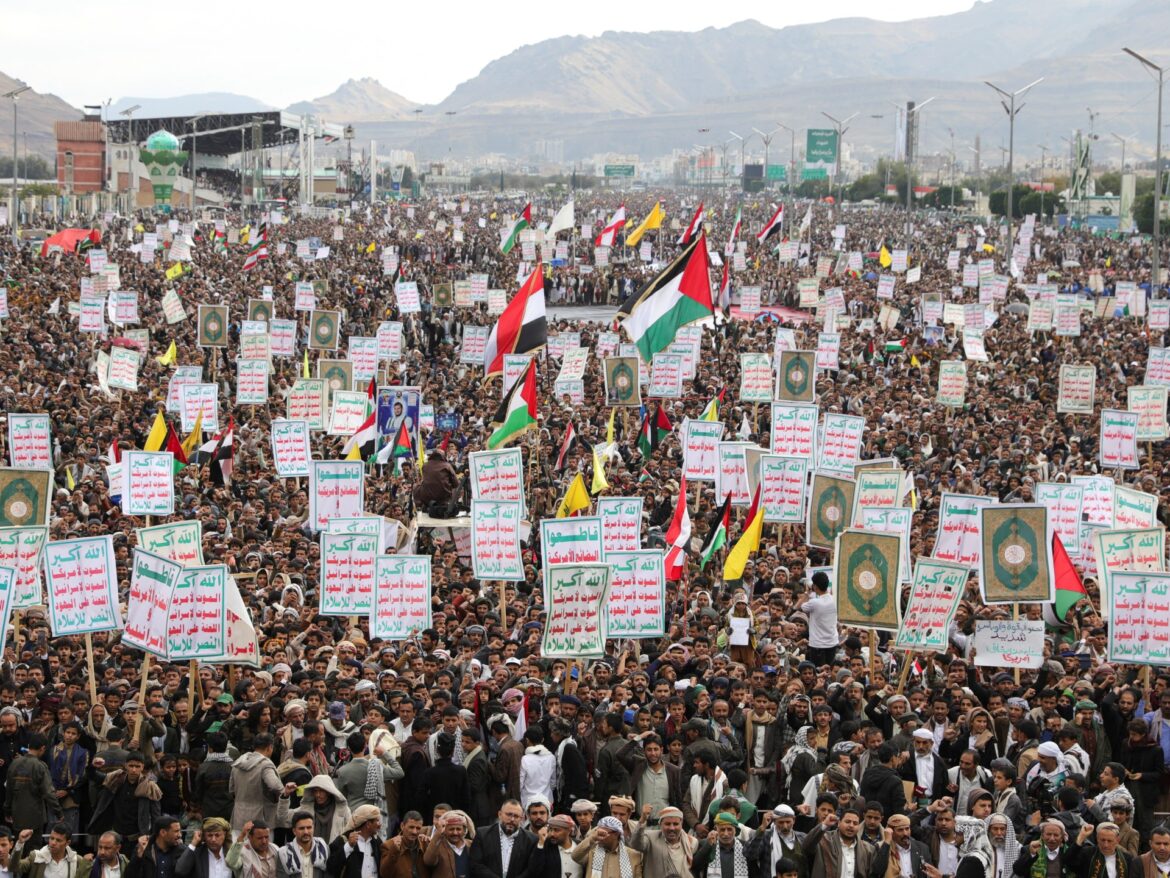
(762, 745)
(727, 857)
(1048, 856)
(305, 851)
(604, 854)
(67, 766)
(1004, 846)
(553, 857)
(901, 855)
(1105, 859)
(769, 847)
(667, 850)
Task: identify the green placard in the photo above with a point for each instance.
(213, 322)
(323, 327)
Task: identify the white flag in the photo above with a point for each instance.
(563, 221)
(55, 308)
(807, 221)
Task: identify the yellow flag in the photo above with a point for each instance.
(244, 233)
(988, 248)
(653, 221)
(492, 215)
(609, 429)
(158, 434)
(192, 442)
(748, 543)
(69, 478)
(355, 453)
(372, 247)
(170, 357)
(138, 227)
(884, 257)
(914, 361)
(175, 271)
(422, 452)
(305, 367)
(599, 482)
(576, 498)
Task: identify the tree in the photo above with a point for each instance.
(1143, 213)
(943, 196)
(998, 201)
(31, 167)
(1031, 202)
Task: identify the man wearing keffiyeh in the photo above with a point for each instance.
(727, 857)
(604, 855)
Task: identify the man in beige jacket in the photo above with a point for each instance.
(603, 854)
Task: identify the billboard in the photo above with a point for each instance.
(820, 149)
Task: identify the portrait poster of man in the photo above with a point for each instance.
(398, 405)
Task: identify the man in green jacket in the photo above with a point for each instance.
(29, 796)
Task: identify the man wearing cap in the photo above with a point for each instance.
(900, 854)
(926, 769)
(776, 839)
(667, 850)
(206, 855)
(584, 814)
(1049, 765)
(726, 857)
(1105, 858)
(1093, 738)
(357, 853)
(604, 854)
(553, 856)
(502, 850)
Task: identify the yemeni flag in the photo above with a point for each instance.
(219, 241)
(725, 290)
(772, 226)
(653, 431)
(692, 228)
(717, 534)
(748, 542)
(222, 459)
(517, 412)
(735, 227)
(360, 446)
(259, 249)
(1069, 588)
(678, 536)
(567, 443)
(509, 237)
(680, 295)
(522, 327)
(616, 223)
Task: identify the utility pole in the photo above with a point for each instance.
(1156, 273)
(791, 155)
(14, 220)
(767, 138)
(193, 122)
(911, 144)
(1043, 162)
(1008, 101)
(841, 129)
(131, 189)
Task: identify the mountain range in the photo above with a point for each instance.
(649, 93)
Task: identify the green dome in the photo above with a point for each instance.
(162, 140)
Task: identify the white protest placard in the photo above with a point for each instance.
(30, 443)
(21, 549)
(369, 525)
(876, 489)
(666, 376)
(1009, 643)
(1133, 509)
(149, 482)
(755, 377)
(935, 593)
(255, 345)
(402, 597)
(573, 388)
(783, 486)
(785, 341)
(1158, 318)
(794, 429)
(959, 532)
(497, 302)
(570, 541)
(196, 398)
(498, 475)
(305, 299)
(495, 540)
(636, 605)
(124, 365)
(1117, 446)
(306, 402)
(575, 597)
(749, 300)
(82, 579)
(1157, 367)
(197, 622)
(406, 294)
(607, 344)
(1076, 390)
(181, 542)
(574, 364)
(700, 441)
(840, 447)
(123, 305)
(731, 473)
(621, 524)
(363, 353)
(282, 337)
(173, 309)
(952, 383)
(1040, 316)
(1097, 507)
(885, 288)
(251, 382)
(290, 448)
(828, 348)
(348, 567)
(336, 489)
(1064, 503)
(1126, 550)
(973, 347)
(1149, 403)
(389, 338)
(152, 578)
(474, 345)
(1139, 605)
(349, 412)
(92, 317)
(514, 366)
(896, 520)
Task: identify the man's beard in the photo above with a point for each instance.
(506, 830)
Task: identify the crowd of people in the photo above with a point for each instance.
(815, 751)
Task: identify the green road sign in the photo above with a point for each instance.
(821, 146)
(814, 173)
(619, 170)
(777, 172)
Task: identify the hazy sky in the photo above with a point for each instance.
(282, 53)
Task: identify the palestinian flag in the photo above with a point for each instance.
(711, 412)
(678, 535)
(735, 227)
(175, 447)
(748, 542)
(896, 346)
(567, 443)
(644, 476)
(772, 226)
(680, 295)
(360, 446)
(653, 431)
(717, 535)
(693, 227)
(509, 237)
(615, 225)
(259, 249)
(522, 327)
(1069, 588)
(725, 290)
(517, 412)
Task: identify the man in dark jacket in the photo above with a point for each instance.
(157, 854)
(349, 852)
(129, 802)
(213, 779)
(208, 844)
(487, 852)
(29, 796)
(925, 768)
(435, 492)
(572, 773)
(881, 782)
(612, 777)
(445, 781)
(479, 777)
(913, 856)
(1096, 859)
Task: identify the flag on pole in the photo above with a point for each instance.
(563, 221)
(1069, 588)
(360, 446)
(725, 291)
(806, 223)
(884, 257)
(522, 327)
(576, 498)
(678, 535)
(653, 431)
(509, 236)
(679, 295)
(191, 443)
(735, 227)
(567, 443)
(653, 221)
(599, 482)
(259, 248)
(170, 357)
(717, 532)
(305, 365)
(772, 226)
(748, 542)
(615, 224)
(692, 229)
(157, 435)
(517, 412)
(711, 412)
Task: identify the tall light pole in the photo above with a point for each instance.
(1043, 164)
(791, 155)
(1008, 100)
(951, 131)
(1122, 141)
(742, 159)
(14, 220)
(1156, 274)
(767, 138)
(193, 122)
(131, 188)
(911, 142)
(841, 129)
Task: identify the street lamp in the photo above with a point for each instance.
(742, 158)
(791, 154)
(910, 143)
(131, 188)
(1122, 141)
(1008, 101)
(1043, 164)
(724, 165)
(841, 129)
(15, 218)
(1156, 274)
(193, 123)
(767, 138)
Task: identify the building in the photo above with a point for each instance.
(81, 156)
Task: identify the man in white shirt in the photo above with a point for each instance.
(538, 768)
(207, 846)
(821, 609)
(357, 853)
